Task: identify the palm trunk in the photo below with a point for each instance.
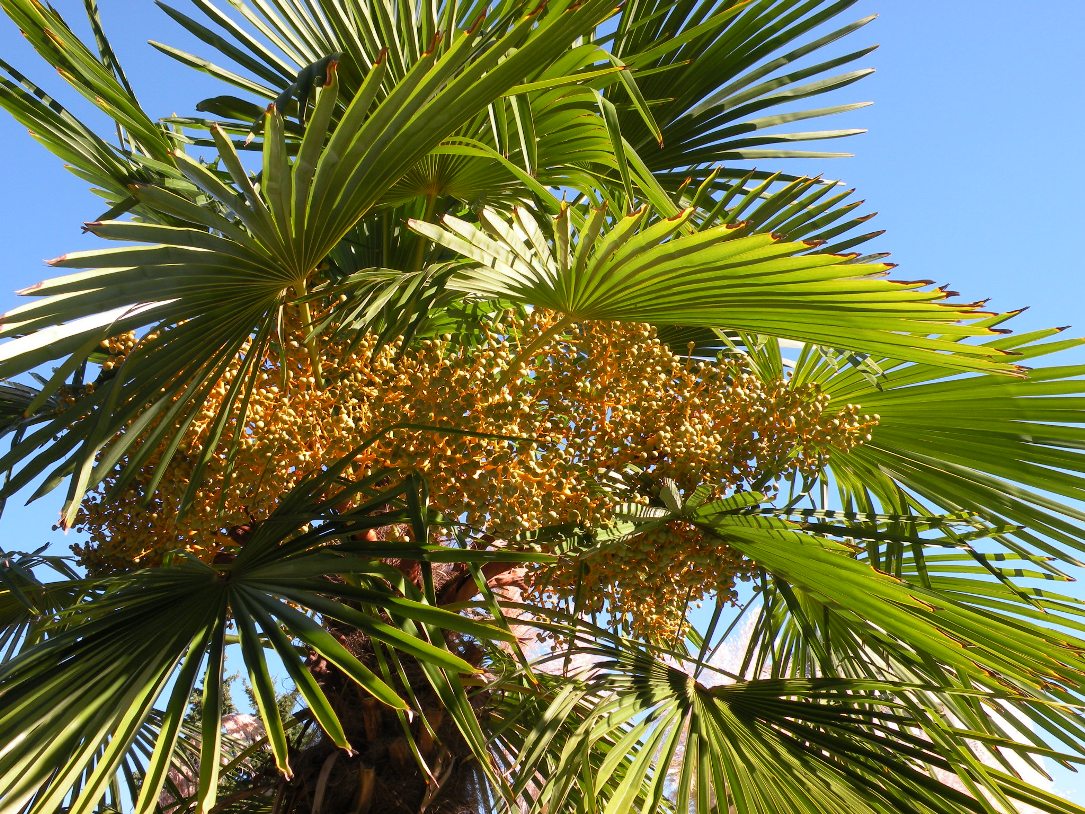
(384, 775)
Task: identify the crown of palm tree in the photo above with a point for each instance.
(450, 327)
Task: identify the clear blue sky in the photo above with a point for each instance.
(975, 161)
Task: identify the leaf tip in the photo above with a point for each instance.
(431, 49)
(476, 24)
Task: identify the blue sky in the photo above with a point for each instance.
(974, 159)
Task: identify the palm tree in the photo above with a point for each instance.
(446, 364)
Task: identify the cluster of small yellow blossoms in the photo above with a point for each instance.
(624, 578)
(117, 348)
(596, 398)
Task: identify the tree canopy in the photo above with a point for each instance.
(455, 364)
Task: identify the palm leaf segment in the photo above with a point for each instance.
(660, 738)
(1007, 449)
(711, 70)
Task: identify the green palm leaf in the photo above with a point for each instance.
(1021, 470)
(714, 71)
(823, 745)
(126, 640)
(248, 248)
(632, 269)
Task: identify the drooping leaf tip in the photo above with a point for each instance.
(329, 72)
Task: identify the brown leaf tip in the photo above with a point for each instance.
(329, 72)
(431, 49)
(476, 24)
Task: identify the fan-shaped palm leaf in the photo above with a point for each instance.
(631, 269)
(123, 646)
(247, 248)
(656, 735)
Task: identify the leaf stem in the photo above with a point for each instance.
(526, 352)
(420, 246)
(310, 337)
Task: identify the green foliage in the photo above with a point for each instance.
(410, 169)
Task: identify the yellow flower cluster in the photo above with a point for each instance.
(625, 578)
(597, 398)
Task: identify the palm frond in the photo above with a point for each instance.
(630, 268)
(247, 249)
(125, 642)
(713, 72)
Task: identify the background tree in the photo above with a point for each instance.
(472, 333)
